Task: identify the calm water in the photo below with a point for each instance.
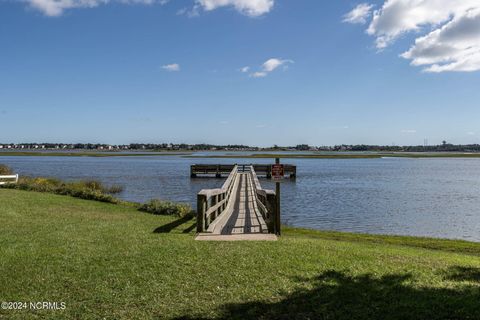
(422, 197)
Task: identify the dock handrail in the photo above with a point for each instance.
(212, 202)
(13, 177)
(266, 201)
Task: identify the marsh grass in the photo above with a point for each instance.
(339, 155)
(5, 170)
(91, 189)
(167, 208)
(88, 189)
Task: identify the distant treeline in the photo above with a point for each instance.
(131, 146)
(444, 147)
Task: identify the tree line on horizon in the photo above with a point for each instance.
(445, 147)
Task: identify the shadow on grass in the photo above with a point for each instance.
(191, 228)
(172, 225)
(336, 295)
(463, 274)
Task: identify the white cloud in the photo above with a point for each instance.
(269, 66)
(409, 131)
(449, 32)
(258, 74)
(171, 67)
(251, 8)
(272, 64)
(359, 14)
(245, 69)
(54, 8)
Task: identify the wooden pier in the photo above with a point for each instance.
(239, 210)
(219, 170)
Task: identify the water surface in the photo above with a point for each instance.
(421, 197)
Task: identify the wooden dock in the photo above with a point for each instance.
(219, 170)
(240, 210)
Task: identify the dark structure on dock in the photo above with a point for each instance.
(218, 170)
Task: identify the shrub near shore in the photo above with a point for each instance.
(89, 189)
(97, 191)
(4, 170)
(167, 208)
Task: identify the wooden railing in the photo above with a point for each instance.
(212, 202)
(266, 202)
(219, 170)
(9, 179)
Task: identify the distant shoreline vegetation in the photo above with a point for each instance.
(183, 147)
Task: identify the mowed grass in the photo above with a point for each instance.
(109, 261)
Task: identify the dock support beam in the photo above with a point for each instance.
(192, 173)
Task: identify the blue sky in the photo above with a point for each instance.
(116, 72)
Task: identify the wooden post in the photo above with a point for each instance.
(201, 208)
(293, 174)
(192, 171)
(271, 205)
(277, 207)
(214, 202)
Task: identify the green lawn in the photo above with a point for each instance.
(109, 261)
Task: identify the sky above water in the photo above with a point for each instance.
(256, 72)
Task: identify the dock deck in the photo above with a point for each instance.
(219, 170)
(238, 211)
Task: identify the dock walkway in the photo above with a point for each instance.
(240, 210)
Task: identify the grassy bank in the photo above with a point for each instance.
(111, 261)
